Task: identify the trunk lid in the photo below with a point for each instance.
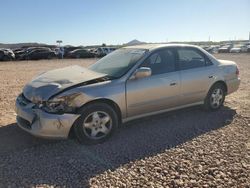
(226, 62)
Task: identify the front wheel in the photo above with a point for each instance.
(215, 97)
(96, 123)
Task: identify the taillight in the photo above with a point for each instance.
(237, 71)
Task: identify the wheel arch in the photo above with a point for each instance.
(221, 82)
(109, 102)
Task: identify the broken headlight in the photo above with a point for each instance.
(55, 106)
(58, 105)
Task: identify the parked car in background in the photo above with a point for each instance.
(225, 49)
(205, 47)
(81, 53)
(17, 50)
(248, 48)
(6, 55)
(102, 51)
(19, 53)
(238, 48)
(129, 83)
(22, 54)
(39, 53)
(211, 49)
(68, 49)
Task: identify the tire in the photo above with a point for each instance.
(97, 123)
(6, 58)
(215, 97)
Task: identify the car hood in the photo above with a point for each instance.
(55, 81)
(236, 48)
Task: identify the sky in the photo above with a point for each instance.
(90, 22)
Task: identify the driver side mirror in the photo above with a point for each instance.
(142, 72)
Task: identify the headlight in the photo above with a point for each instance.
(54, 106)
(58, 105)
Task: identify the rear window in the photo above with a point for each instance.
(190, 58)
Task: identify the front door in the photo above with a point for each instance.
(157, 92)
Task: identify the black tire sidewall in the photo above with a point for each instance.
(207, 103)
(85, 111)
(6, 58)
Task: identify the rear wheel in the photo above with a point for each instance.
(215, 97)
(96, 123)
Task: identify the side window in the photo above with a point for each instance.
(190, 58)
(161, 62)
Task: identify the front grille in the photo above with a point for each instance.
(23, 122)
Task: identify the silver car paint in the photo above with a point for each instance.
(45, 124)
(133, 97)
(50, 83)
(152, 93)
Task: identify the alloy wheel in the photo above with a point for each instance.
(216, 98)
(97, 125)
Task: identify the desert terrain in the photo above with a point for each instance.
(184, 148)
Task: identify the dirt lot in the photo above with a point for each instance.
(184, 148)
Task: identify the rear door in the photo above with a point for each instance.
(159, 91)
(197, 74)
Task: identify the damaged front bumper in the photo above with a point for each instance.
(42, 124)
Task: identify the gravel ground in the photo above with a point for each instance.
(184, 148)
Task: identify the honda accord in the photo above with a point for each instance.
(129, 83)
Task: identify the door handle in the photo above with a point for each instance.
(173, 84)
(211, 76)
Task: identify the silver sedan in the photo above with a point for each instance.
(129, 83)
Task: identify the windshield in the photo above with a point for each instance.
(117, 63)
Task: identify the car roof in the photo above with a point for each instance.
(156, 46)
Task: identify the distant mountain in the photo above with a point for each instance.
(21, 45)
(134, 42)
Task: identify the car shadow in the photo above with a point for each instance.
(13, 139)
(74, 164)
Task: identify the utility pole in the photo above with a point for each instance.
(59, 43)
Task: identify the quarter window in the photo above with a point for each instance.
(190, 58)
(161, 62)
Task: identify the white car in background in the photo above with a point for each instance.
(102, 51)
(238, 48)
